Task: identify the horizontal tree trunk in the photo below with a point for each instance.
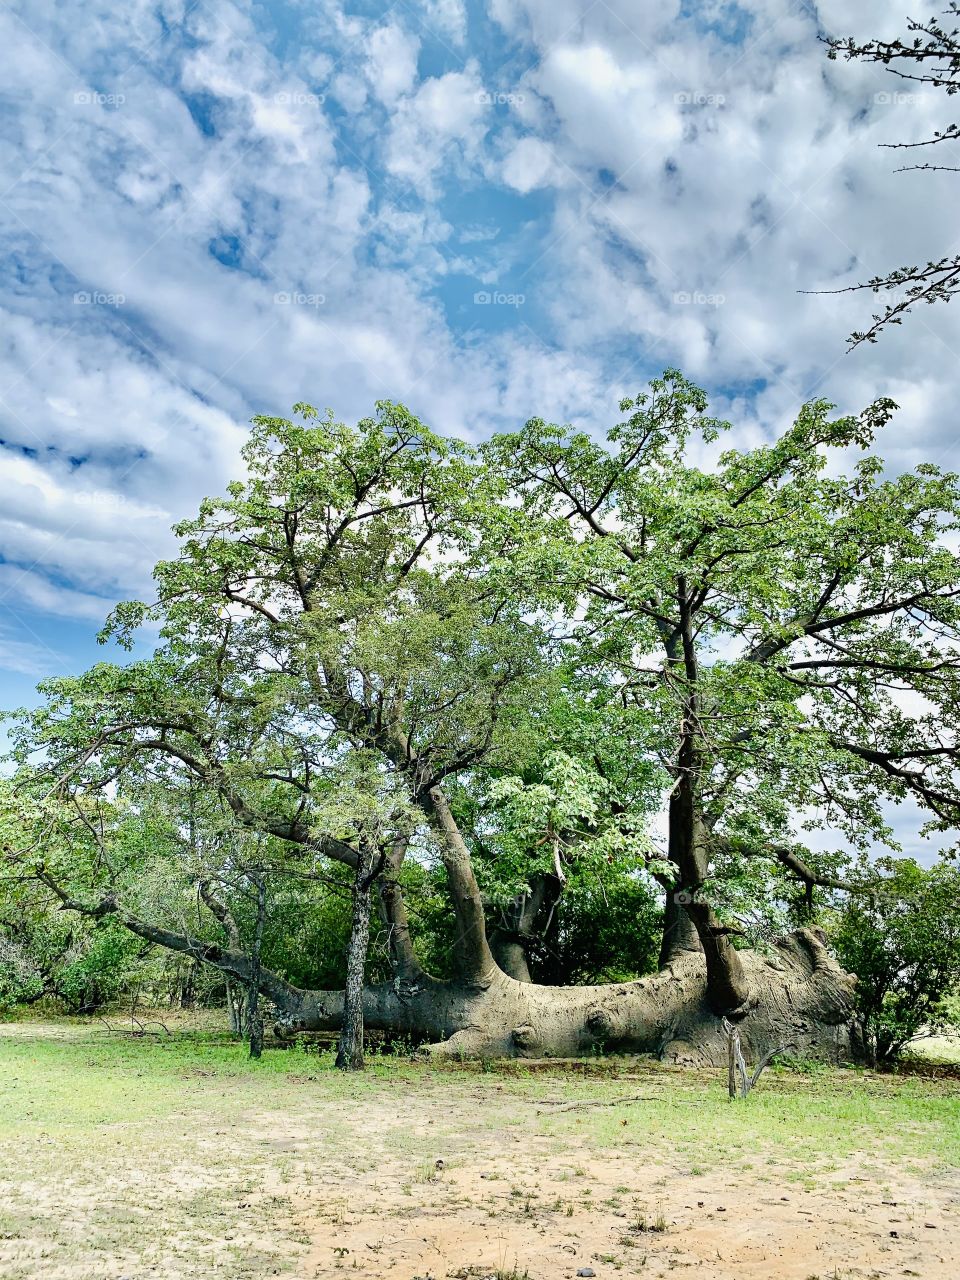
(799, 994)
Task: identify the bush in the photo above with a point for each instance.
(903, 943)
(602, 932)
(20, 982)
(82, 963)
(98, 970)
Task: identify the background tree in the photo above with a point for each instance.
(769, 621)
(554, 843)
(49, 956)
(931, 58)
(903, 943)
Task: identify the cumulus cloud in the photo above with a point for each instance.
(444, 122)
(448, 18)
(527, 165)
(392, 62)
(208, 213)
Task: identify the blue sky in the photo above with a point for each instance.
(486, 210)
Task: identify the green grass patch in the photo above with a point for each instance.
(106, 1140)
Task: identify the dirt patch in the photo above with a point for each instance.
(139, 1160)
(521, 1207)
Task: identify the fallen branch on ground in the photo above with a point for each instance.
(613, 1102)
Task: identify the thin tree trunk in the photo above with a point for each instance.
(393, 911)
(255, 1026)
(254, 1016)
(350, 1045)
(187, 982)
(235, 1008)
(235, 990)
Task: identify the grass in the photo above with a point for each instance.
(179, 1156)
(937, 1048)
(78, 1086)
(810, 1120)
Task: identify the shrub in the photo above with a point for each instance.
(903, 943)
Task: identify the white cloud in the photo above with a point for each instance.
(678, 160)
(528, 164)
(391, 63)
(30, 658)
(31, 590)
(443, 122)
(637, 154)
(448, 18)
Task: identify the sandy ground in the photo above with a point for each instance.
(310, 1176)
(523, 1207)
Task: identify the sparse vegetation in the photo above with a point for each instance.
(220, 1166)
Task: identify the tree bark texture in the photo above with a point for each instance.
(799, 993)
(350, 1046)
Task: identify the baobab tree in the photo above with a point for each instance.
(765, 643)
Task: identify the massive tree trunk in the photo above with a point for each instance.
(799, 995)
(728, 988)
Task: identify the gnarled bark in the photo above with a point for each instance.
(798, 993)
